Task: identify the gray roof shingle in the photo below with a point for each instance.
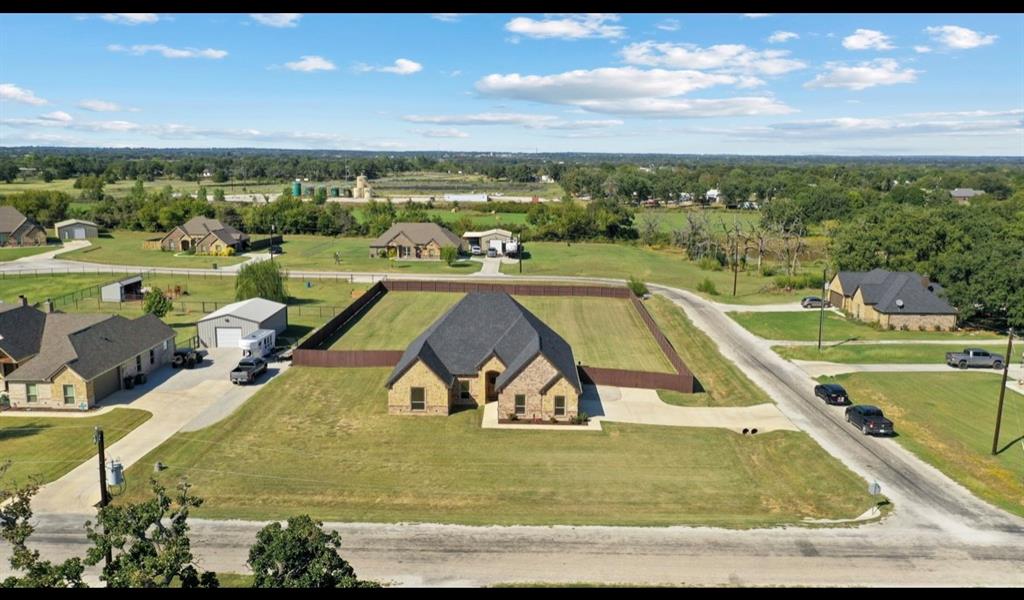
(482, 324)
(10, 219)
(419, 233)
(886, 290)
(21, 330)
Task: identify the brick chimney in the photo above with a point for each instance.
(48, 306)
(22, 300)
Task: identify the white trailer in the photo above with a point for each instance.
(258, 343)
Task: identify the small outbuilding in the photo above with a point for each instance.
(129, 288)
(75, 229)
(226, 326)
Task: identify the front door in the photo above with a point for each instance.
(489, 393)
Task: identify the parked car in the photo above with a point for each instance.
(248, 370)
(492, 253)
(186, 357)
(869, 419)
(832, 393)
(475, 250)
(974, 357)
(814, 302)
(276, 250)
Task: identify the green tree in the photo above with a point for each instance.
(302, 555)
(449, 254)
(218, 195)
(149, 542)
(156, 303)
(263, 279)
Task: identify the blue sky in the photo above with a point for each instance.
(671, 83)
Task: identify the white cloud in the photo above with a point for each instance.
(530, 121)
(883, 71)
(669, 25)
(757, 15)
(311, 63)
(448, 17)
(131, 18)
(168, 52)
(867, 39)
(9, 91)
(885, 127)
(960, 38)
(402, 66)
(442, 133)
(100, 106)
(922, 49)
(677, 108)
(781, 37)
(724, 57)
(277, 19)
(57, 115)
(605, 83)
(568, 27)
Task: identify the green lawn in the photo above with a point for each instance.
(723, 382)
(603, 332)
(40, 287)
(49, 447)
(882, 353)
(319, 441)
(948, 419)
(803, 326)
(7, 254)
(313, 252)
(668, 267)
(125, 248)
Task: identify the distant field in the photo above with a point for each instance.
(803, 326)
(125, 248)
(7, 254)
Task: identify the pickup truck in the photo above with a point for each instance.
(248, 370)
(974, 357)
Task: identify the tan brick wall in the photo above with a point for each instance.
(51, 395)
(437, 395)
(529, 382)
(914, 322)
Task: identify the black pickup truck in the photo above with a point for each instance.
(869, 419)
(248, 370)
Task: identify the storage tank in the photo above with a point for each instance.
(115, 473)
(296, 188)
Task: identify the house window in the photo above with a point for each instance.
(69, 394)
(152, 356)
(464, 390)
(138, 363)
(520, 404)
(165, 344)
(418, 399)
(559, 406)
(31, 394)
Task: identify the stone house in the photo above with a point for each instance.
(18, 230)
(206, 236)
(53, 360)
(415, 241)
(900, 299)
(487, 348)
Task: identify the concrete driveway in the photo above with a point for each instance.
(179, 399)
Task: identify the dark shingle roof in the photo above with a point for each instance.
(200, 226)
(21, 330)
(419, 233)
(883, 289)
(484, 324)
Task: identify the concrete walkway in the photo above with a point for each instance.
(177, 399)
(47, 256)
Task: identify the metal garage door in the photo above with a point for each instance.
(228, 337)
(106, 384)
(79, 233)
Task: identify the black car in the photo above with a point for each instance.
(869, 419)
(276, 250)
(832, 393)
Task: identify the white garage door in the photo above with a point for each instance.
(79, 233)
(228, 337)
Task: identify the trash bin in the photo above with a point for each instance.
(129, 383)
(215, 266)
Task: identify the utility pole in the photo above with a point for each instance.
(104, 496)
(821, 315)
(735, 265)
(1002, 391)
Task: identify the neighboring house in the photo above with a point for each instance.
(206, 236)
(898, 299)
(55, 360)
(713, 196)
(422, 241)
(964, 195)
(18, 230)
(487, 348)
(226, 326)
(484, 238)
(75, 229)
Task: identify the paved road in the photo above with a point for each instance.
(966, 341)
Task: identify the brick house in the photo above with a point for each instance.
(415, 241)
(487, 348)
(900, 299)
(18, 230)
(206, 236)
(53, 360)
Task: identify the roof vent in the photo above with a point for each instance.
(899, 303)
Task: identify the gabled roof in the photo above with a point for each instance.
(253, 309)
(21, 330)
(201, 226)
(419, 233)
(965, 193)
(67, 222)
(895, 292)
(476, 234)
(10, 219)
(482, 324)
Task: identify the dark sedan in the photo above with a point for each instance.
(869, 419)
(832, 393)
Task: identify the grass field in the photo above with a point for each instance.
(7, 254)
(948, 419)
(669, 267)
(588, 324)
(311, 252)
(882, 353)
(125, 248)
(319, 441)
(803, 326)
(49, 447)
(40, 287)
(723, 382)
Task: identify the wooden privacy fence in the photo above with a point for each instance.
(666, 346)
(346, 358)
(514, 289)
(678, 382)
(317, 338)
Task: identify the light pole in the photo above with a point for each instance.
(821, 315)
(273, 228)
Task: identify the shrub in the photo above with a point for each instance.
(636, 286)
(922, 327)
(768, 271)
(806, 280)
(449, 254)
(709, 263)
(553, 420)
(581, 419)
(513, 416)
(227, 251)
(156, 303)
(708, 287)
